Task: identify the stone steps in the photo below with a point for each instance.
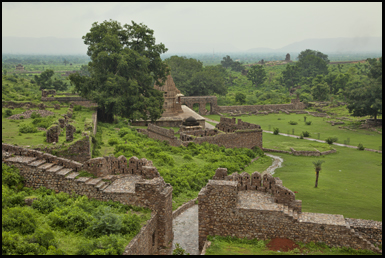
(46, 166)
(94, 181)
(100, 185)
(83, 179)
(54, 169)
(72, 175)
(64, 171)
(37, 163)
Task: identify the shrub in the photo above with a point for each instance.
(292, 122)
(8, 112)
(112, 141)
(44, 236)
(45, 204)
(21, 117)
(44, 122)
(179, 250)
(306, 134)
(308, 123)
(19, 218)
(10, 176)
(35, 115)
(77, 108)
(72, 218)
(122, 132)
(361, 146)
(330, 140)
(187, 157)
(276, 131)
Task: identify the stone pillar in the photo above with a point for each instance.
(57, 106)
(61, 122)
(53, 134)
(202, 108)
(70, 130)
(41, 106)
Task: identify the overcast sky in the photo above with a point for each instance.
(230, 26)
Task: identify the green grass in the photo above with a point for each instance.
(10, 128)
(350, 181)
(368, 138)
(235, 246)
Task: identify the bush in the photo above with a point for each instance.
(276, 131)
(187, 157)
(361, 146)
(27, 128)
(21, 117)
(44, 236)
(10, 176)
(122, 132)
(45, 204)
(77, 108)
(35, 115)
(308, 123)
(306, 134)
(22, 219)
(112, 141)
(8, 112)
(71, 218)
(292, 122)
(330, 140)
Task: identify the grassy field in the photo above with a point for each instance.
(368, 138)
(10, 128)
(235, 246)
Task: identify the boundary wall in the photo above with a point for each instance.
(43, 169)
(302, 153)
(295, 104)
(226, 208)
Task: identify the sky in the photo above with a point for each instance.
(201, 26)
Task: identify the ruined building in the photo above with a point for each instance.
(19, 67)
(171, 95)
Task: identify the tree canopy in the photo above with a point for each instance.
(45, 81)
(312, 63)
(125, 63)
(192, 79)
(257, 75)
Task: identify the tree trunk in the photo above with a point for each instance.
(316, 178)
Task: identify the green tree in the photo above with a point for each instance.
(207, 82)
(240, 97)
(317, 165)
(320, 89)
(237, 66)
(366, 98)
(227, 62)
(125, 63)
(65, 62)
(257, 75)
(45, 80)
(312, 63)
(291, 76)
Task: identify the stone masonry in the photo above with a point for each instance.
(43, 169)
(228, 208)
(53, 134)
(70, 130)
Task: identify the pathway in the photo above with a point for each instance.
(277, 163)
(185, 228)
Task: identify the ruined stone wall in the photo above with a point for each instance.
(202, 101)
(19, 104)
(238, 139)
(370, 229)
(77, 100)
(43, 169)
(228, 125)
(162, 134)
(221, 213)
(292, 151)
(295, 104)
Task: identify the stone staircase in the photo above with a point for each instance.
(44, 165)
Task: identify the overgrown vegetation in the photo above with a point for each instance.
(62, 223)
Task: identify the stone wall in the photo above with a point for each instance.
(295, 104)
(77, 100)
(18, 104)
(369, 229)
(202, 100)
(292, 151)
(183, 208)
(162, 134)
(225, 211)
(43, 169)
(228, 125)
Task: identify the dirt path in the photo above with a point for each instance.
(185, 228)
(277, 163)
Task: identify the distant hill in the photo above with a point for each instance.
(330, 45)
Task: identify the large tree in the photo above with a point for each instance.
(312, 63)
(366, 98)
(227, 62)
(125, 63)
(257, 75)
(291, 76)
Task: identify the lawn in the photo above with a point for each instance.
(10, 128)
(368, 138)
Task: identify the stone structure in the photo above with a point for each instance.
(228, 125)
(70, 130)
(62, 122)
(287, 59)
(45, 93)
(53, 134)
(19, 68)
(190, 124)
(292, 151)
(171, 95)
(247, 138)
(57, 106)
(228, 208)
(202, 101)
(43, 169)
(42, 106)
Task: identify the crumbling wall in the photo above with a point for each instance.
(70, 130)
(295, 104)
(225, 211)
(162, 134)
